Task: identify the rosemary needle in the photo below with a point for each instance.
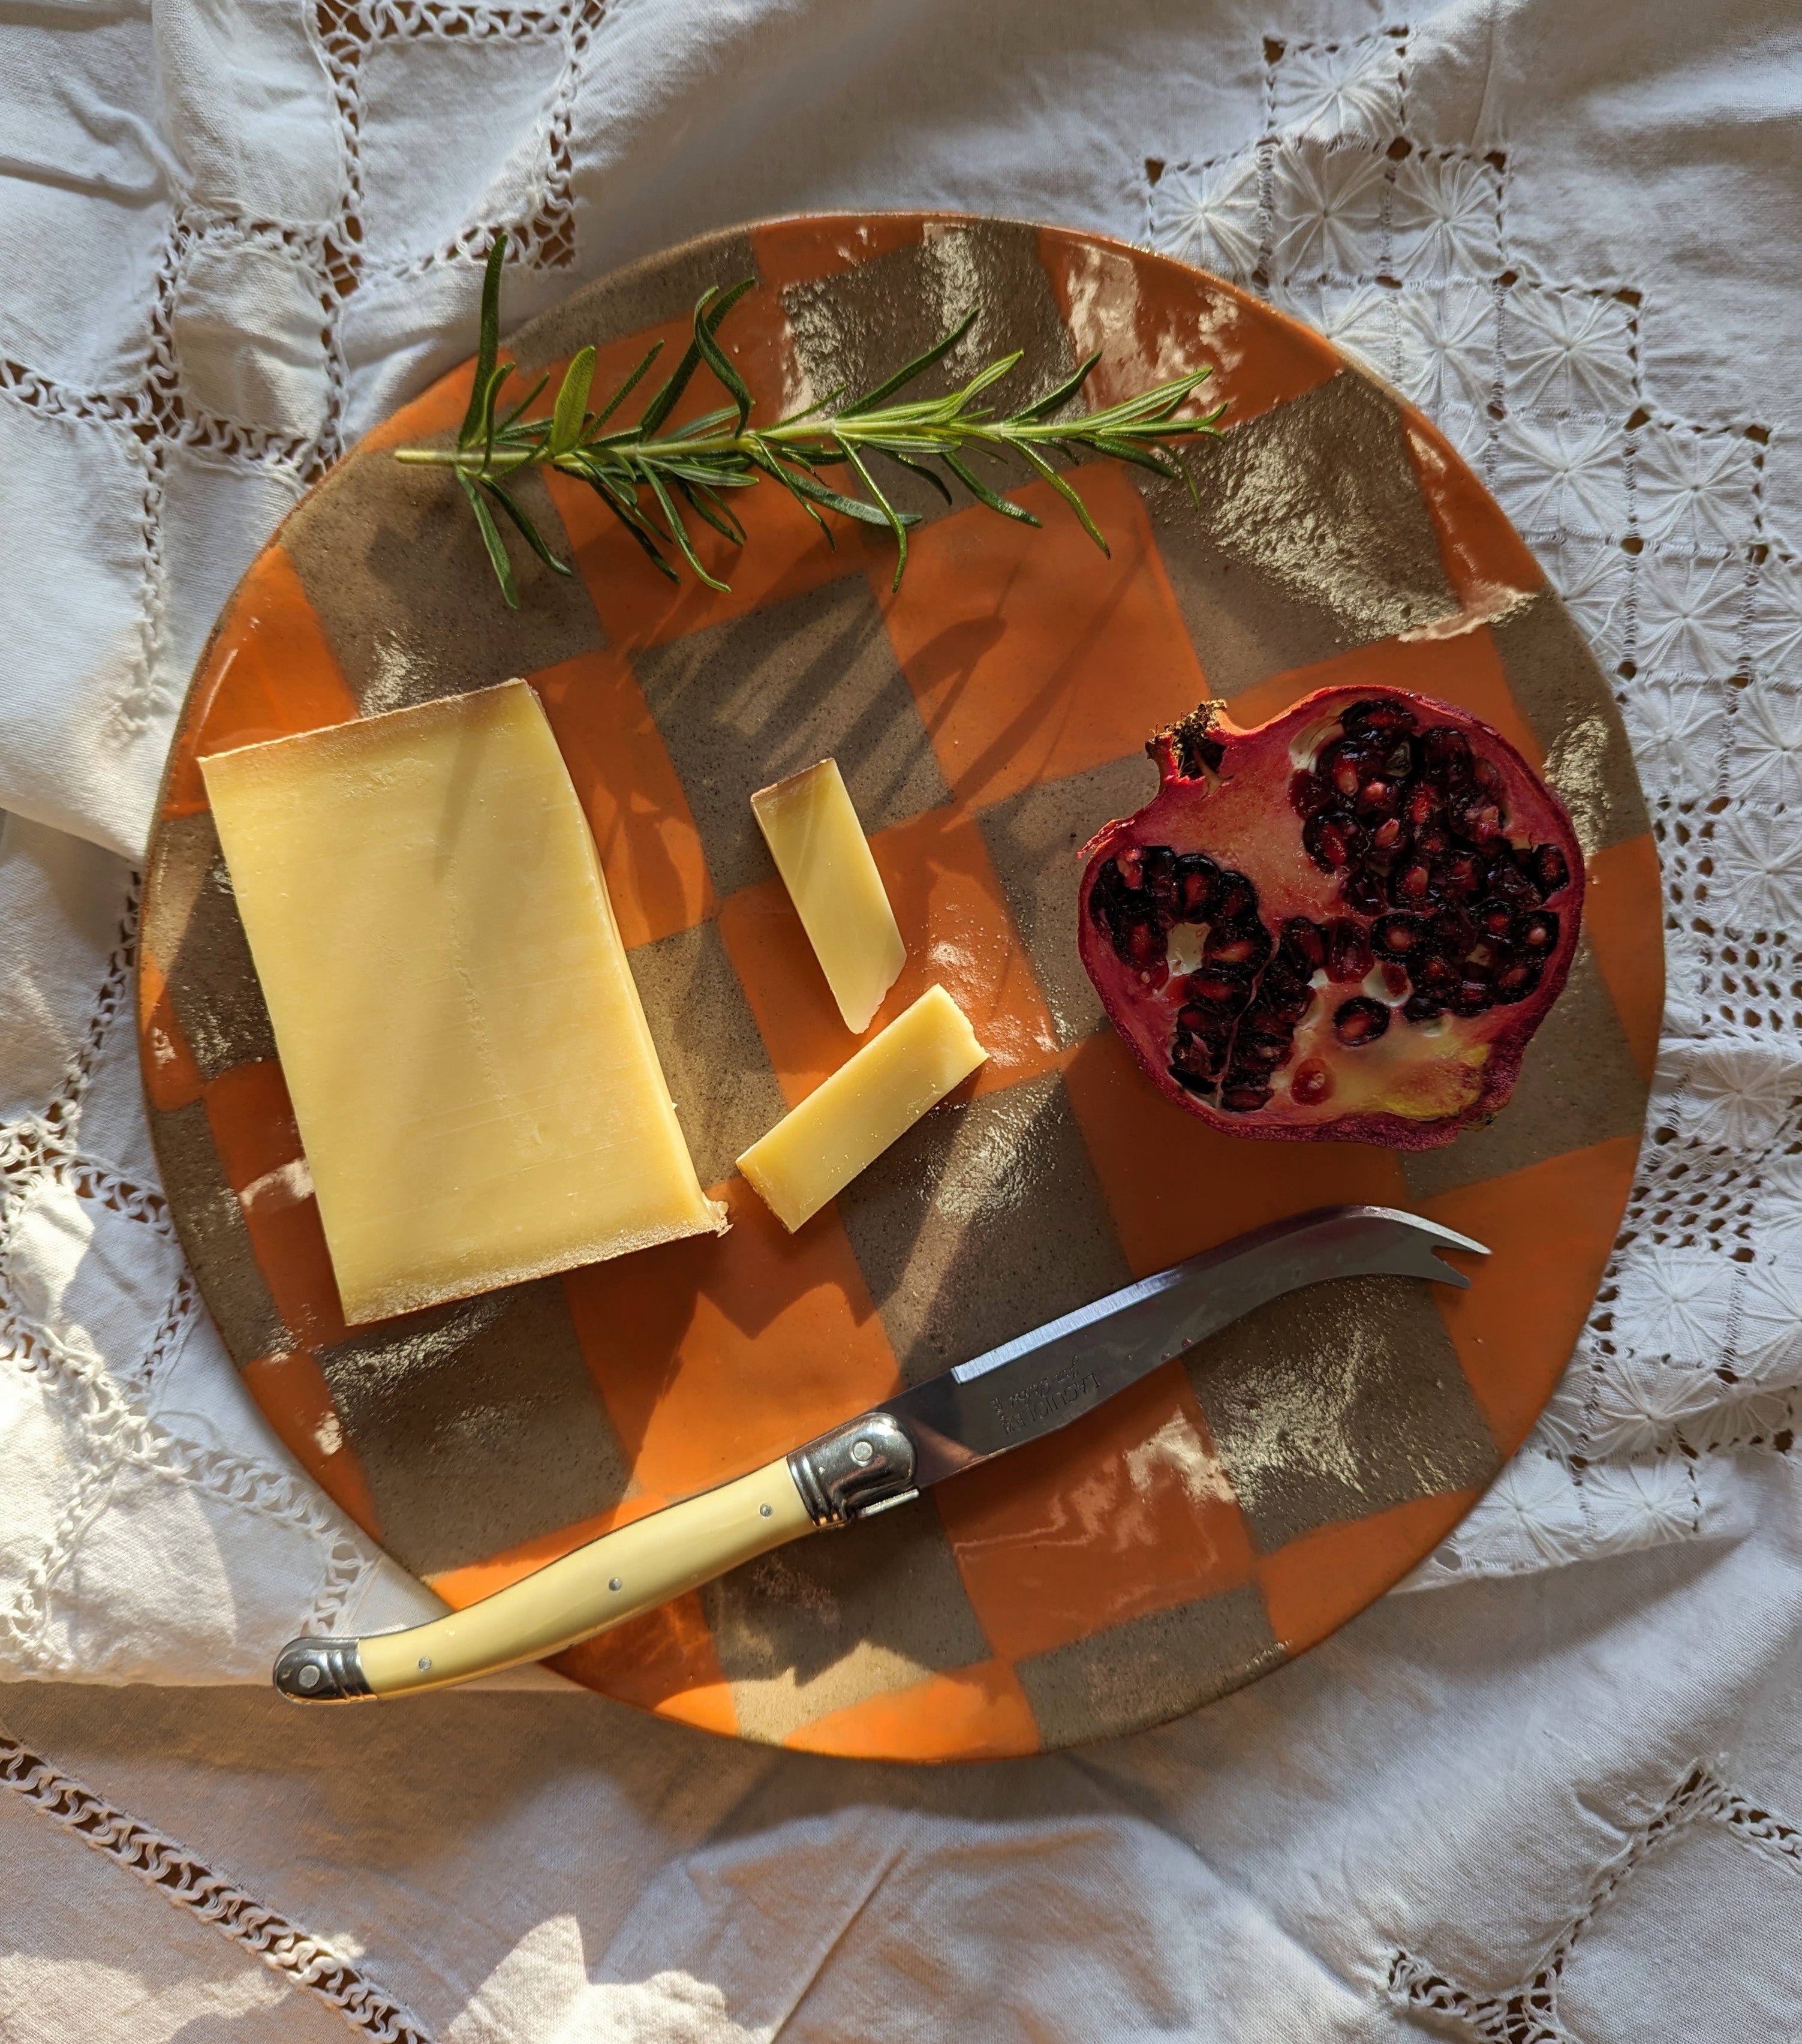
(649, 477)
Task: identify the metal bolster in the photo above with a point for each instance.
(320, 1671)
(865, 1465)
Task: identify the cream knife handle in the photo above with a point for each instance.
(629, 1570)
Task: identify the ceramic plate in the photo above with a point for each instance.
(1231, 1510)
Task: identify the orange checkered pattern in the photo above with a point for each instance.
(1228, 1511)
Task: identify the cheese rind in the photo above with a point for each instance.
(826, 863)
(846, 1124)
(474, 1081)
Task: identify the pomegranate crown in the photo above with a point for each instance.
(1188, 748)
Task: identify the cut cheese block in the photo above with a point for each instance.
(825, 862)
(816, 1149)
(476, 1087)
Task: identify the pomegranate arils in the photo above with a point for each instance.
(1363, 890)
(1398, 936)
(1412, 885)
(1245, 1099)
(1312, 1083)
(1458, 877)
(1382, 717)
(1305, 942)
(1348, 950)
(1445, 752)
(1427, 855)
(1550, 869)
(1516, 980)
(1360, 1021)
(1237, 899)
(1307, 792)
(1243, 947)
(1377, 799)
(1197, 885)
(1333, 838)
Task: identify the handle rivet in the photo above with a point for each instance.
(425, 1660)
(862, 1453)
(617, 1583)
(766, 1511)
(308, 1676)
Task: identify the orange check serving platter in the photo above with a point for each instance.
(1233, 1509)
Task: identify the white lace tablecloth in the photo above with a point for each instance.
(1544, 1797)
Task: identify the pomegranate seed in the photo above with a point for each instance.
(1395, 980)
(1197, 885)
(1132, 865)
(1348, 951)
(1412, 883)
(1488, 776)
(1378, 798)
(1245, 1099)
(1307, 942)
(1307, 792)
(1312, 1081)
(1363, 890)
(1288, 1000)
(1159, 867)
(1265, 1054)
(1457, 876)
(1509, 883)
(1237, 899)
(1360, 1021)
(1517, 981)
(1550, 869)
(1216, 992)
(1333, 839)
(1396, 936)
(1446, 753)
(1538, 932)
(1378, 718)
(1245, 948)
(1190, 1075)
(1470, 997)
(1389, 836)
(1421, 1007)
(1421, 802)
(1495, 919)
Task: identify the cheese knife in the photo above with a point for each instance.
(886, 1457)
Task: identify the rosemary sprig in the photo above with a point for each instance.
(649, 479)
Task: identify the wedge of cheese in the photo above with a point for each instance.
(846, 1124)
(820, 849)
(476, 1088)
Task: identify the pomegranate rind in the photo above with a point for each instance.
(1226, 792)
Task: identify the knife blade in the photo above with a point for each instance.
(1016, 1393)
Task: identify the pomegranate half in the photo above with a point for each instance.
(1346, 924)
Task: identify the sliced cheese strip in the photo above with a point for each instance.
(826, 863)
(816, 1150)
(476, 1087)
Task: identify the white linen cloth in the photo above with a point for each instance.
(1547, 1800)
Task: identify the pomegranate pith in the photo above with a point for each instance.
(1346, 924)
